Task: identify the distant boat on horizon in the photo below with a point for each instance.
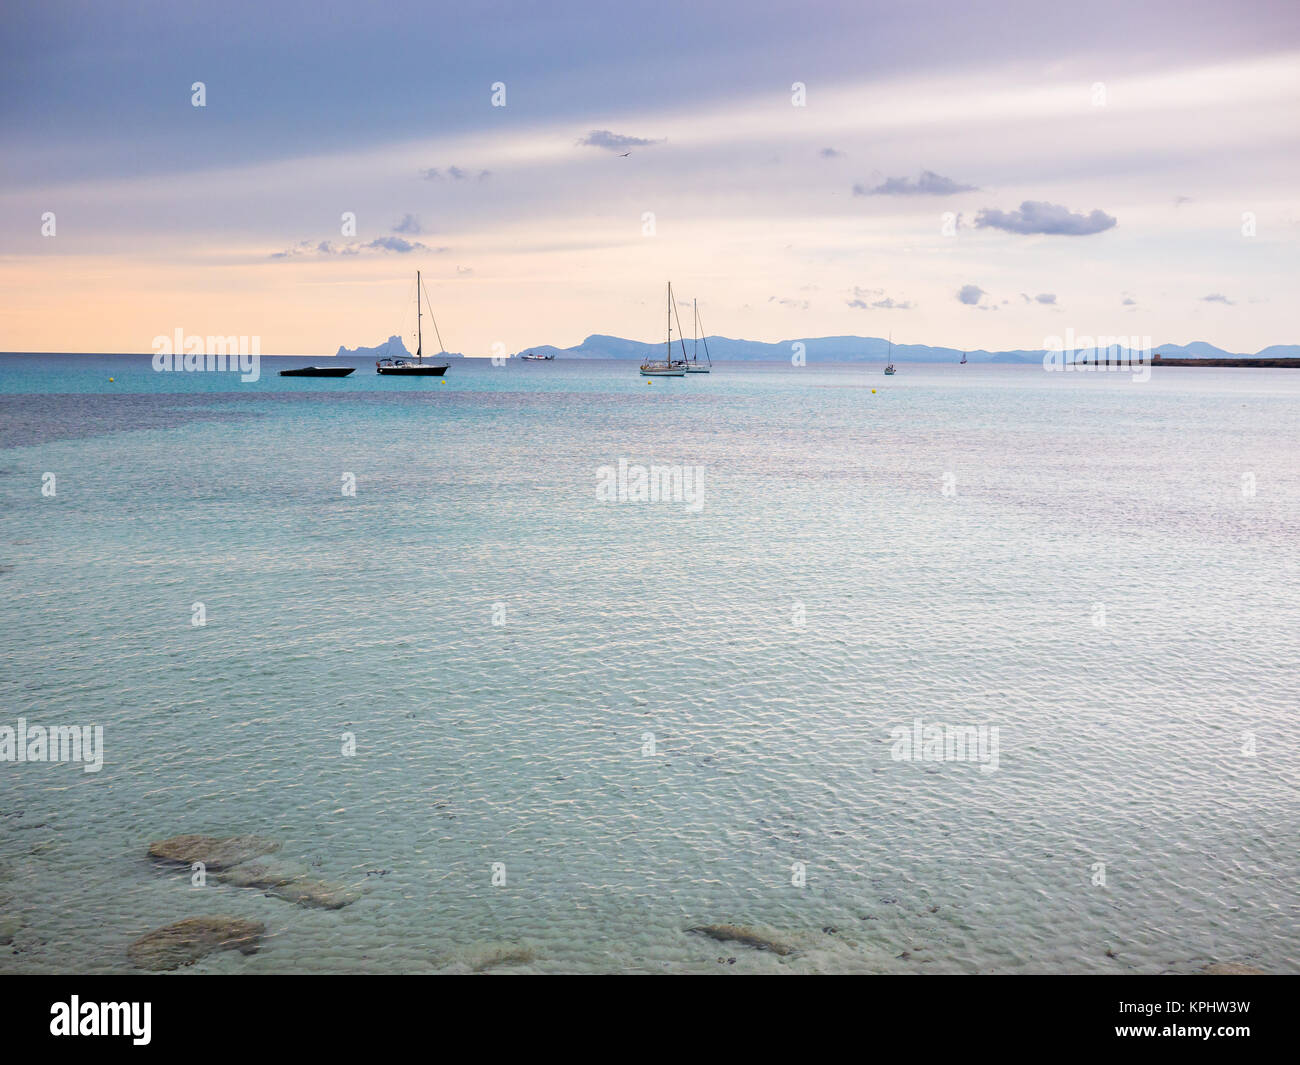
(419, 368)
(889, 369)
(530, 357)
(667, 366)
(963, 358)
(694, 365)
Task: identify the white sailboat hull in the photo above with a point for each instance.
(667, 366)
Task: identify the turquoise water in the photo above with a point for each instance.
(828, 591)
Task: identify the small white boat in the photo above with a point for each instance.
(667, 366)
(694, 365)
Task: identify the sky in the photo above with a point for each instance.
(967, 175)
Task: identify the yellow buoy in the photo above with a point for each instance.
(110, 380)
(873, 391)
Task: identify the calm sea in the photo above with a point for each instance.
(584, 725)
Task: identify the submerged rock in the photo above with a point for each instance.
(263, 874)
(189, 940)
(241, 861)
(215, 852)
(487, 956)
(316, 893)
(734, 933)
(10, 926)
(290, 882)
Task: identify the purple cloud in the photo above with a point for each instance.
(1038, 216)
(874, 299)
(928, 184)
(325, 248)
(800, 305)
(614, 142)
(455, 173)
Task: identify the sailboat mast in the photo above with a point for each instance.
(419, 325)
(696, 305)
(669, 355)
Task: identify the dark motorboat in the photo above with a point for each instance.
(318, 371)
(418, 368)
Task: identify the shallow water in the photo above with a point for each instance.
(828, 592)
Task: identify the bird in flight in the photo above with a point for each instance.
(625, 155)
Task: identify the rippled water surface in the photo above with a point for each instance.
(680, 706)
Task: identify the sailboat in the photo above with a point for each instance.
(963, 358)
(419, 368)
(694, 365)
(889, 369)
(667, 366)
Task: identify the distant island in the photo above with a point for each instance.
(844, 349)
(392, 348)
(864, 349)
